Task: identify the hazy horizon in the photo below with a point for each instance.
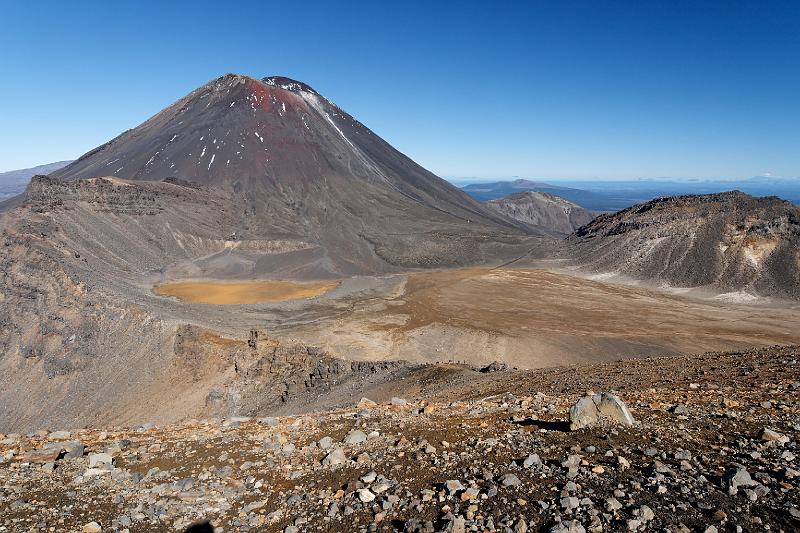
(491, 179)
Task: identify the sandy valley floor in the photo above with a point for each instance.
(527, 317)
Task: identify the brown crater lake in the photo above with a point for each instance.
(242, 292)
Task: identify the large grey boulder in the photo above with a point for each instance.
(583, 413)
(590, 410)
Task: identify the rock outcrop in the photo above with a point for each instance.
(543, 212)
(730, 242)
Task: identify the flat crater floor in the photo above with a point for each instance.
(536, 317)
(241, 292)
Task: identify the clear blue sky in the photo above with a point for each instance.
(554, 89)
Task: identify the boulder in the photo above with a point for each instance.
(336, 457)
(583, 413)
(614, 409)
(45, 455)
(590, 410)
(366, 403)
(72, 449)
(92, 527)
(736, 476)
(355, 437)
(470, 494)
(768, 435)
(365, 495)
(453, 486)
(495, 366)
(510, 480)
(532, 460)
(568, 526)
(98, 459)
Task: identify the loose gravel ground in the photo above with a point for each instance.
(713, 449)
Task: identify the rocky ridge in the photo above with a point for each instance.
(543, 212)
(13, 182)
(728, 242)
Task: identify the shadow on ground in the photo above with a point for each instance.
(549, 425)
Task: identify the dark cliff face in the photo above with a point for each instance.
(46, 194)
(728, 241)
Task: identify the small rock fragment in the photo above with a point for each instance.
(92, 527)
(336, 457)
(355, 437)
(736, 476)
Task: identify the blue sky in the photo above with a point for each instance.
(485, 89)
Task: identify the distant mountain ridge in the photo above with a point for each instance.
(499, 189)
(608, 195)
(543, 212)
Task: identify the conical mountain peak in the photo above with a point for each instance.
(298, 166)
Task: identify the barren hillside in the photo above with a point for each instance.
(729, 242)
(543, 212)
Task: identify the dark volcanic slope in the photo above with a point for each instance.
(302, 168)
(543, 212)
(728, 241)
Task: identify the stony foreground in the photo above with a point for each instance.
(713, 449)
